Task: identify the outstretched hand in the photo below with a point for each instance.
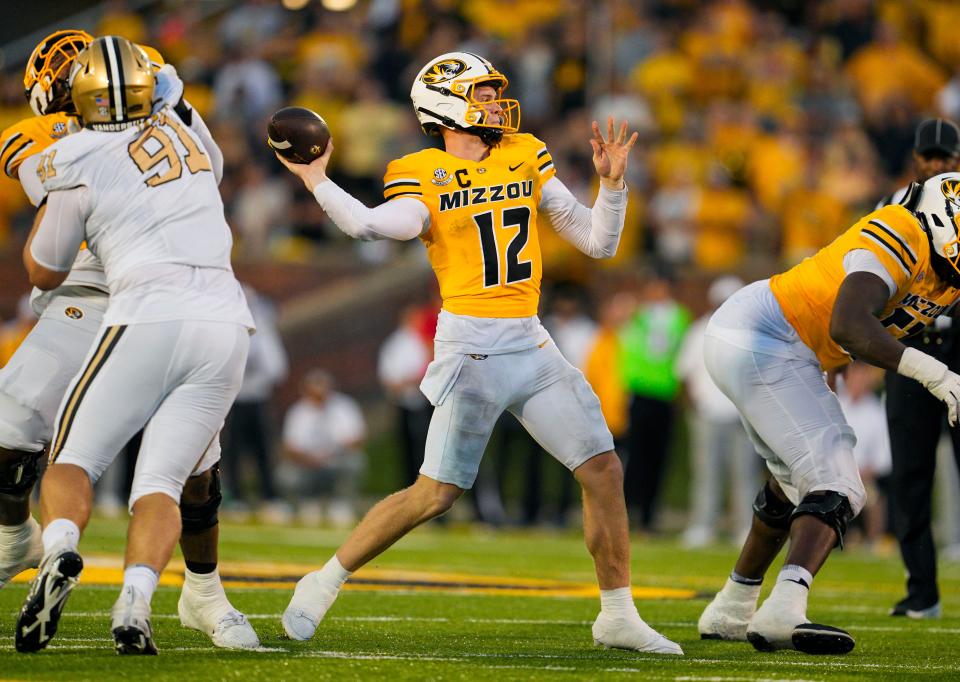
(610, 154)
(312, 173)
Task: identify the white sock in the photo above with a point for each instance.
(204, 584)
(797, 574)
(740, 592)
(333, 574)
(789, 597)
(60, 532)
(12, 537)
(142, 578)
(618, 602)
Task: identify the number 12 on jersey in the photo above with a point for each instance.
(517, 270)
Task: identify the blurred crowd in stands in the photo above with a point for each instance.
(766, 127)
(764, 130)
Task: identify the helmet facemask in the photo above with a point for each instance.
(481, 118)
(45, 80)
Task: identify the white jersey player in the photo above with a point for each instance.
(139, 189)
(35, 379)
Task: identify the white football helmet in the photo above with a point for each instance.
(939, 211)
(443, 95)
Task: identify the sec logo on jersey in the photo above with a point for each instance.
(441, 177)
(73, 313)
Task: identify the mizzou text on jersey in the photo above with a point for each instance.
(482, 242)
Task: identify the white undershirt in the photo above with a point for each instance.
(865, 260)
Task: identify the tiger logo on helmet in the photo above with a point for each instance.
(443, 71)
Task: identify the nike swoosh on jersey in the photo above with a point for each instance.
(513, 168)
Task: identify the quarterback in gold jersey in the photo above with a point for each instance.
(767, 348)
(33, 383)
(474, 204)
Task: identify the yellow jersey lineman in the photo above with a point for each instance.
(474, 204)
(767, 347)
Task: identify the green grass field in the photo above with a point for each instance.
(410, 634)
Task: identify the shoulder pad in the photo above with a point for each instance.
(895, 233)
(523, 139)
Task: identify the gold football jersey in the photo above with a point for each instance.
(482, 241)
(807, 291)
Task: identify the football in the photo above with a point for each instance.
(298, 134)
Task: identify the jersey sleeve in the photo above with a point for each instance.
(544, 161)
(401, 180)
(60, 166)
(19, 142)
(30, 180)
(30, 137)
(893, 240)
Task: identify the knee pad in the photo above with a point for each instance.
(18, 475)
(771, 509)
(830, 507)
(196, 518)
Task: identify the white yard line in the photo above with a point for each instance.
(524, 621)
(84, 644)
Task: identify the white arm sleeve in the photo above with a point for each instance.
(60, 233)
(864, 260)
(400, 219)
(595, 232)
(198, 126)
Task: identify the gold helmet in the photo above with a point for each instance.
(45, 80)
(111, 84)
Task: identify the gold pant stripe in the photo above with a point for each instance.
(105, 347)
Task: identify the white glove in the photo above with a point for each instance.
(168, 88)
(936, 378)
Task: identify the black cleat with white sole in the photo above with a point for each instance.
(38, 619)
(130, 640)
(811, 638)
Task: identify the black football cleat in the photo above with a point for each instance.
(132, 641)
(811, 638)
(38, 619)
(909, 608)
(132, 633)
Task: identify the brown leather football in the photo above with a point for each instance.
(297, 134)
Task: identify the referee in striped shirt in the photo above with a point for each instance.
(914, 417)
